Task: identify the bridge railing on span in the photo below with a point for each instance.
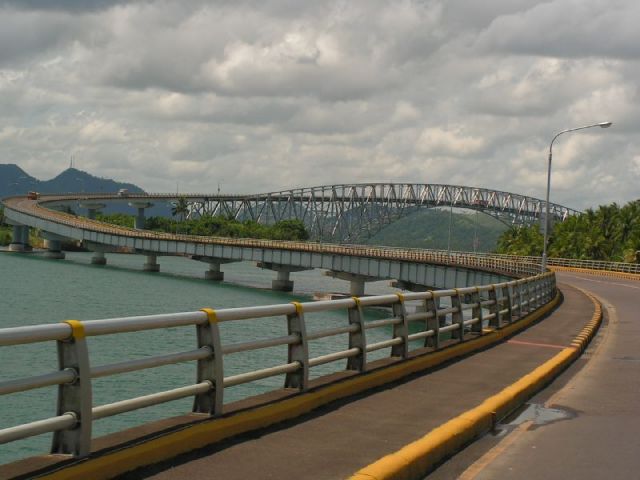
(442, 317)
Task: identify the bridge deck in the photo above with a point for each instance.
(599, 437)
(338, 439)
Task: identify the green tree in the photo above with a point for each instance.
(525, 241)
(180, 208)
(610, 233)
(120, 219)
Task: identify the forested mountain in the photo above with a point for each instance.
(15, 181)
(429, 228)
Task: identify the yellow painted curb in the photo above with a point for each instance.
(603, 273)
(205, 433)
(415, 460)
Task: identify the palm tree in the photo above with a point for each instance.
(180, 209)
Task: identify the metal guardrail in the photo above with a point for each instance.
(466, 313)
(533, 262)
(567, 262)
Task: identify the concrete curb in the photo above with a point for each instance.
(113, 463)
(602, 273)
(415, 460)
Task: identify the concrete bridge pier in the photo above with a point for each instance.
(53, 243)
(282, 282)
(98, 258)
(20, 239)
(214, 273)
(92, 209)
(356, 282)
(139, 219)
(54, 249)
(151, 265)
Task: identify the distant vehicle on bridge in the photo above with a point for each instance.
(123, 192)
(33, 195)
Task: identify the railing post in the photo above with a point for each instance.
(400, 330)
(517, 298)
(531, 295)
(457, 317)
(211, 368)
(298, 352)
(476, 312)
(494, 308)
(507, 293)
(358, 338)
(74, 397)
(432, 305)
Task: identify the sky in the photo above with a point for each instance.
(256, 96)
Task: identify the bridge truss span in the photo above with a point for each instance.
(350, 212)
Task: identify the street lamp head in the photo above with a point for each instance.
(604, 124)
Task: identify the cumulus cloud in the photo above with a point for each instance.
(266, 95)
(436, 141)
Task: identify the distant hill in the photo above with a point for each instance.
(15, 181)
(429, 228)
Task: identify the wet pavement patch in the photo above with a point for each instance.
(539, 415)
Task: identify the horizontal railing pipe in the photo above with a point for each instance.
(62, 422)
(437, 313)
(39, 381)
(129, 405)
(258, 344)
(149, 362)
(314, 335)
(260, 374)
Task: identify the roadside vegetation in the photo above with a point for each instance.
(610, 233)
(215, 226)
(5, 230)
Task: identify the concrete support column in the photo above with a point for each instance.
(214, 273)
(282, 283)
(356, 287)
(54, 249)
(98, 258)
(17, 241)
(93, 208)
(151, 265)
(139, 219)
(356, 282)
(25, 237)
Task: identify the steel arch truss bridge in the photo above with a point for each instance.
(351, 212)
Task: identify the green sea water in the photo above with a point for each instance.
(36, 290)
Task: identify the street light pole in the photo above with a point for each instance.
(546, 215)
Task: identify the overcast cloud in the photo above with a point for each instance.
(267, 95)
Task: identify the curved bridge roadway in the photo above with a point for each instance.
(434, 269)
(594, 432)
(336, 440)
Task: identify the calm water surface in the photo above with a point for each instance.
(35, 290)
